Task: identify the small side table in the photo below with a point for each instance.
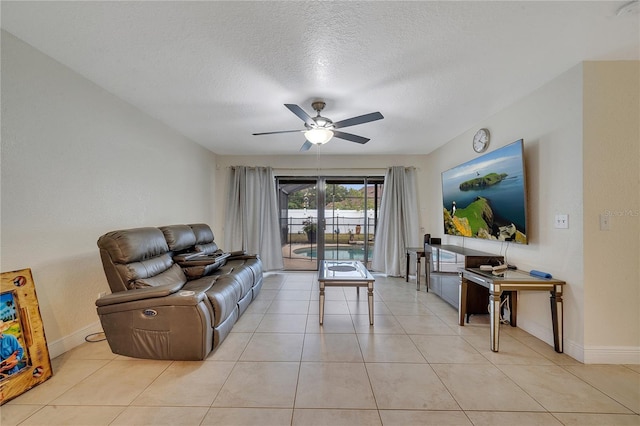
(418, 252)
(513, 281)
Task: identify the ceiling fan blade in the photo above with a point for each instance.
(305, 146)
(358, 120)
(300, 113)
(281, 131)
(350, 137)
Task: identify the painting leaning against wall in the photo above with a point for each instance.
(24, 356)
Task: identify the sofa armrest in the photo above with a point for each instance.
(139, 294)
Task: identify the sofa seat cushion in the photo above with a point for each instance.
(244, 276)
(223, 292)
(253, 264)
(224, 296)
(200, 287)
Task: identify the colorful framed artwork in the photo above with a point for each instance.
(24, 356)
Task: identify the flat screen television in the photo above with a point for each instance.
(487, 197)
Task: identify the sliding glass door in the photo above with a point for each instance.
(343, 228)
(297, 199)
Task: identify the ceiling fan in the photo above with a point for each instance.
(319, 130)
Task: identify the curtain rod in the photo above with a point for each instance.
(304, 169)
(330, 168)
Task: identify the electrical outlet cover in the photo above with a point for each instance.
(562, 221)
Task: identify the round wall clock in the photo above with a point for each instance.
(481, 140)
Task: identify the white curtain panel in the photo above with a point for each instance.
(252, 215)
(398, 224)
(234, 235)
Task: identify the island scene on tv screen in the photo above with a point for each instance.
(486, 197)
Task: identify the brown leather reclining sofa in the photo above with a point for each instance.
(175, 294)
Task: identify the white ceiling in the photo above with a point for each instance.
(219, 71)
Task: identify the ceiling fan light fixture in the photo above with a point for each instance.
(318, 136)
(320, 130)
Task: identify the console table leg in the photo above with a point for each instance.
(462, 300)
(370, 288)
(494, 316)
(321, 302)
(557, 318)
(427, 271)
(513, 302)
(408, 264)
(417, 271)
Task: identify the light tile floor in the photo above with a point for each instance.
(414, 366)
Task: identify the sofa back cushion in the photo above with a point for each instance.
(204, 239)
(131, 255)
(132, 245)
(210, 248)
(203, 232)
(179, 237)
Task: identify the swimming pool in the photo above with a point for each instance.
(335, 253)
(357, 253)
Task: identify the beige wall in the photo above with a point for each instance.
(78, 162)
(582, 150)
(550, 122)
(612, 187)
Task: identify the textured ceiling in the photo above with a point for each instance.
(219, 71)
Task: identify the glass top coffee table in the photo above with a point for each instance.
(344, 273)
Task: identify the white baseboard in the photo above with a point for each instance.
(573, 349)
(612, 355)
(67, 343)
(537, 330)
(586, 354)
(569, 347)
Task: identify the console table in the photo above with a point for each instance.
(442, 264)
(513, 281)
